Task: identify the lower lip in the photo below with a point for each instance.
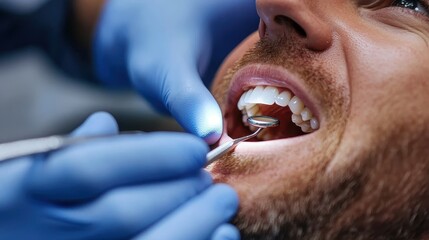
(269, 147)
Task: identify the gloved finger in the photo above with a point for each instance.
(100, 123)
(87, 170)
(226, 232)
(171, 81)
(198, 218)
(124, 212)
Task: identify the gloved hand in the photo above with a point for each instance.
(162, 47)
(115, 188)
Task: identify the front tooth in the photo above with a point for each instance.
(247, 97)
(306, 114)
(296, 105)
(255, 97)
(283, 98)
(241, 102)
(297, 119)
(269, 96)
(314, 123)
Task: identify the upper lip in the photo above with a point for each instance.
(266, 75)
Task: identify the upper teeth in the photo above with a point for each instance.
(302, 116)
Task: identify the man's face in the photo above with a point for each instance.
(357, 75)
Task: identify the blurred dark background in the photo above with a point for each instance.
(36, 100)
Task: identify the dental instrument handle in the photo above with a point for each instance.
(28, 147)
(218, 152)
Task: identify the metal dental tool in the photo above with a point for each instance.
(28, 147)
(257, 121)
(42, 145)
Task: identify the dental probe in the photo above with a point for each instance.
(13, 150)
(257, 121)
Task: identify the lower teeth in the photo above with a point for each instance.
(265, 135)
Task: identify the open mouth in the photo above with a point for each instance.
(262, 98)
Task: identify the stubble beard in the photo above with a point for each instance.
(382, 193)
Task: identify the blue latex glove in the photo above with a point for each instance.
(162, 48)
(115, 188)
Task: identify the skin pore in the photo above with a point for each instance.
(364, 173)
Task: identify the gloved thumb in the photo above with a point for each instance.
(100, 123)
(175, 85)
(194, 107)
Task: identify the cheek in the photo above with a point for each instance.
(388, 78)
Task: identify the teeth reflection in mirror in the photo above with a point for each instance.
(297, 119)
(306, 114)
(314, 123)
(296, 105)
(283, 98)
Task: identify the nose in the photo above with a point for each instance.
(283, 17)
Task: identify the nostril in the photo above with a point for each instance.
(283, 20)
(301, 32)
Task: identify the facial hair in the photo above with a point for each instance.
(382, 193)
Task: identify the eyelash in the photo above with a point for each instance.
(421, 6)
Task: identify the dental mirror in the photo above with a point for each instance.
(263, 121)
(260, 122)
